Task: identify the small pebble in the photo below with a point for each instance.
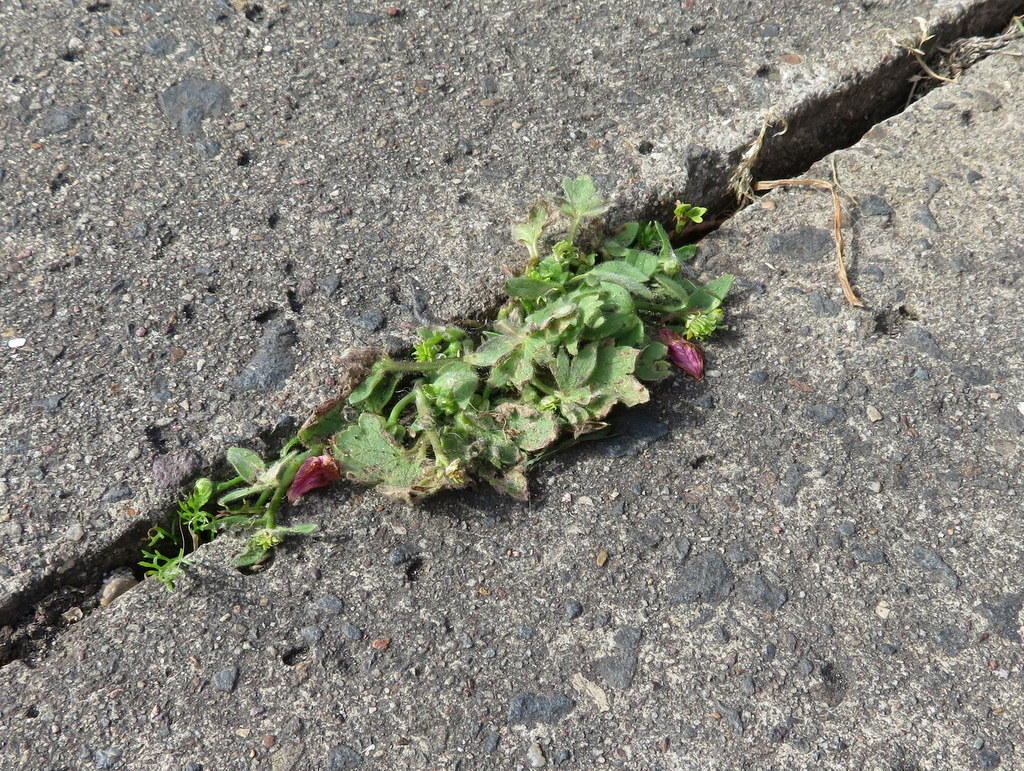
(602, 558)
(573, 609)
(535, 755)
(225, 679)
(114, 588)
(351, 631)
(16, 342)
(873, 414)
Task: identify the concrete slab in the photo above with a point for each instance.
(200, 202)
(818, 567)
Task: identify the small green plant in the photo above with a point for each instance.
(588, 325)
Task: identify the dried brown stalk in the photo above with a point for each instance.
(837, 226)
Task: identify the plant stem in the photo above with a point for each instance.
(435, 444)
(425, 419)
(542, 387)
(222, 486)
(262, 500)
(390, 365)
(399, 408)
(286, 479)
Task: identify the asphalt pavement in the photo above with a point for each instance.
(809, 560)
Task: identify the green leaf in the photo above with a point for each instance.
(581, 199)
(719, 287)
(583, 364)
(616, 297)
(246, 463)
(376, 390)
(617, 245)
(325, 421)
(651, 364)
(642, 261)
(685, 213)
(242, 492)
(702, 300)
(528, 233)
(529, 428)
(518, 368)
(512, 483)
(495, 348)
(613, 378)
(686, 252)
(677, 288)
(304, 528)
(529, 288)
(627, 276)
(255, 552)
(455, 383)
(368, 454)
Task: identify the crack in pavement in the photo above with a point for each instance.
(34, 617)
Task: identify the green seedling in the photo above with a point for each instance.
(582, 332)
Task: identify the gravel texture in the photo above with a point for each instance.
(769, 574)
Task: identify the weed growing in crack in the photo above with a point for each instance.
(588, 324)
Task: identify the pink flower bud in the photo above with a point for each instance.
(684, 354)
(313, 473)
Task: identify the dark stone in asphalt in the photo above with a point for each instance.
(988, 759)
(400, 555)
(922, 341)
(106, 758)
(823, 413)
(351, 631)
(731, 717)
(328, 604)
(175, 469)
(225, 679)
(528, 708)
(875, 206)
(188, 103)
(312, 634)
(806, 244)
(361, 19)
(371, 321)
(757, 590)
(872, 556)
(679, 547)
(822, 305)
(618, 669)
(342, 757)
(1003, 616)
(59, 120)
(739, 553)
(704, 578)
(929, 559)
(273, 361)
(207, 148)
(162, 46)
(116, 493)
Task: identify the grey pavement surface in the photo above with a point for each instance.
(811, 560)
(203, 203)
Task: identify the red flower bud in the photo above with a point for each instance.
(684, 354)
(313, 473)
